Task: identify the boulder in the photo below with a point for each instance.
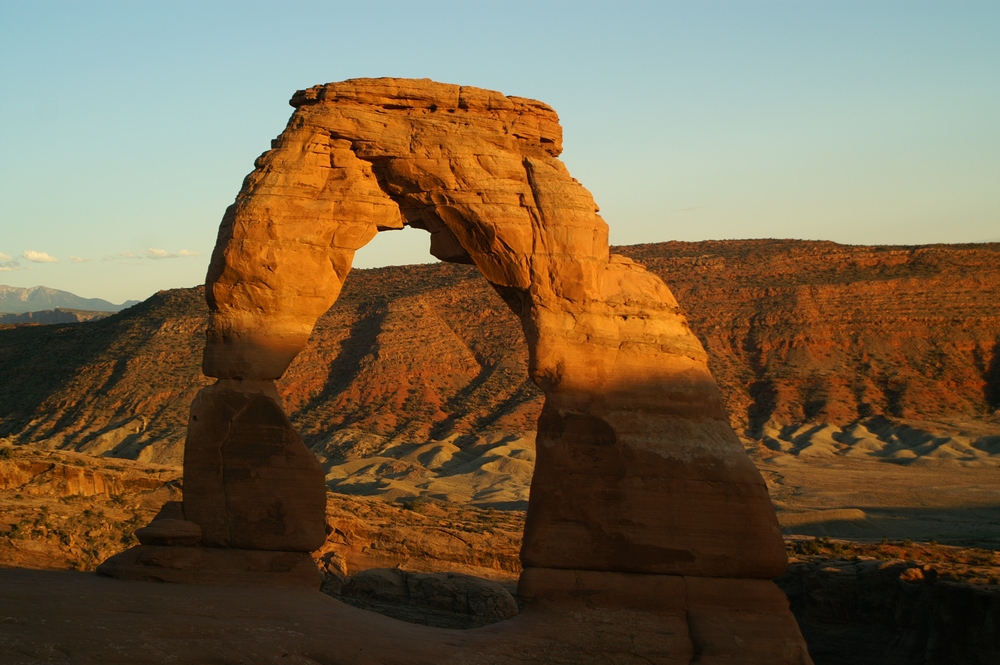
(445, 599)
(215, 566)
(169, 532)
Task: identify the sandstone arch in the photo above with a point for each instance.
(641, 488)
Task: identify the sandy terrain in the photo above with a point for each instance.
(967, 444)
(68, 510)
(492, 472)
(866, 500)
(916, 481)
(868, 481)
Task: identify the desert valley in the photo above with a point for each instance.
(541, 449)
(864, 382)
(458, 333)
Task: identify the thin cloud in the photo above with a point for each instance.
(77, 259)
(159, 254)
(8, 262)
(39, 257)
(153, 253)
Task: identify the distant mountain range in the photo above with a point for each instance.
(57, 315)
(17, 300)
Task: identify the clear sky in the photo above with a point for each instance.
(126, 128)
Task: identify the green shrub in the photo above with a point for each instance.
(415, 504)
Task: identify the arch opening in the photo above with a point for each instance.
(406, 246)
(435, 376)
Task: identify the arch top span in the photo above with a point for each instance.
(638, 470)
(475, 168)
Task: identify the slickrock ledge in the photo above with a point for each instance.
(65, 617)
(638, 472)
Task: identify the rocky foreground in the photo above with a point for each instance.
(455, 566)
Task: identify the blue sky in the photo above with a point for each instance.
(127, 127)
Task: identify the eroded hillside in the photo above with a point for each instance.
(814, 331)
(797, 332)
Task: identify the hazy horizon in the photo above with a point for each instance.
(128, 128)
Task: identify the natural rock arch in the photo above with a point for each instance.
(637, 471)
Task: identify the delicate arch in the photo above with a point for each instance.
(649, 534)
(637, 469)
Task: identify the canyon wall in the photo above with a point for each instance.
(819, 332)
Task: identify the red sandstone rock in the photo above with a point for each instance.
(249, 481)
(796, 331)
(253, 624)
(638, 469)
(476, 600)
(219, 566)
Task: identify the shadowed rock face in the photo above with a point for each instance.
(250, 481)
(638, 469)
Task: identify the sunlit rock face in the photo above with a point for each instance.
(638, 470)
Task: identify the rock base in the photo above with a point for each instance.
(213, 566)
(97, 620)
(725, 619)
(446, 600)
